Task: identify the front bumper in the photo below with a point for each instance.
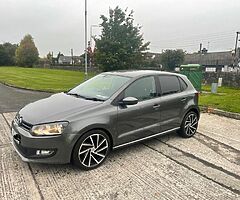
(29, 146)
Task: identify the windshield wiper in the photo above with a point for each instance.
(76, 95)
(94, 99)
(87, 98)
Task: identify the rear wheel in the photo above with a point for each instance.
(91, 150)
(189, 125)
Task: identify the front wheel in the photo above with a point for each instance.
(189, 125)
(91, 150)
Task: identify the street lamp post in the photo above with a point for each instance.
(86, 43)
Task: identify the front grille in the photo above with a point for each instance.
(26, 126)
(23, 124)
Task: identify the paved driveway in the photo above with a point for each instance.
(206, 166)
(12, 99)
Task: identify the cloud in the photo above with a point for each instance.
(58, 25)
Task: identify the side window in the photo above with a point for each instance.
(182, 84)
(169, 84)
(142, 89)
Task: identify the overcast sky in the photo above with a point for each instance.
(58, 25)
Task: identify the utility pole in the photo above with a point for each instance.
(86, 42)
(200, 53)
(200, 50)
(236, 48)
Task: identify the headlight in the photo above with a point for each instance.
(49, 129)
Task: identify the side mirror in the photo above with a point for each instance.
(129, 101)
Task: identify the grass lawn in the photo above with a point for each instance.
(227, 99)
(50, 80)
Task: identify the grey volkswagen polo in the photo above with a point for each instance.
(110, 110)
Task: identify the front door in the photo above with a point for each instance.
(143, 119)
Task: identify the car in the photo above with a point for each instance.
(109, 111)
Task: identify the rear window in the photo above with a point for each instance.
(182, 84)
(169, 84)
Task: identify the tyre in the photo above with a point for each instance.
(91, 150)
(189, 125)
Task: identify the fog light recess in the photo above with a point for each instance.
(44, 152)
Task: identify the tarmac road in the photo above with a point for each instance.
(13, 99)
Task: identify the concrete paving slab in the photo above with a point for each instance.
(223, 129)
(9, 117)
(4, 132)
(203, 167)
(203, 151)
(16, 180)
(136, 172)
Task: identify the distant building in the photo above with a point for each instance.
(214, 61)
(69, 60)
(150, 55)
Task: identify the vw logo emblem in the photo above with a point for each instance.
(20, 120)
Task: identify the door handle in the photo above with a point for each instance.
(156, 106)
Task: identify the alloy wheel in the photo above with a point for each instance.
(93, 150)
(191, 124)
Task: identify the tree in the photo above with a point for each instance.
(7, 53)
(120, 45)
(49, 58)
(172, 58)
(27, 53)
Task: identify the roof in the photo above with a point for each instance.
(65, 58)
(191, 65)
(139, 73)
(68, 58)
(213, 58)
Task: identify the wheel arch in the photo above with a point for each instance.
(86, 130)
(191, 109)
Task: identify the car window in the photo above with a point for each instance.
(142, 89)
(182, 84)
(169, 84)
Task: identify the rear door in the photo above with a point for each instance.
(143, 119)
(172, 102)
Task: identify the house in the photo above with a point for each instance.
(69, 60)
(213, 61)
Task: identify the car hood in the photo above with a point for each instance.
(55, 108)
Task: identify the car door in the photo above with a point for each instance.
(172, 102)
(143, 119)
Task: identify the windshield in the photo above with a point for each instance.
(100, 87)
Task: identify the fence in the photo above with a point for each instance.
(230, 79)
(70, 67)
